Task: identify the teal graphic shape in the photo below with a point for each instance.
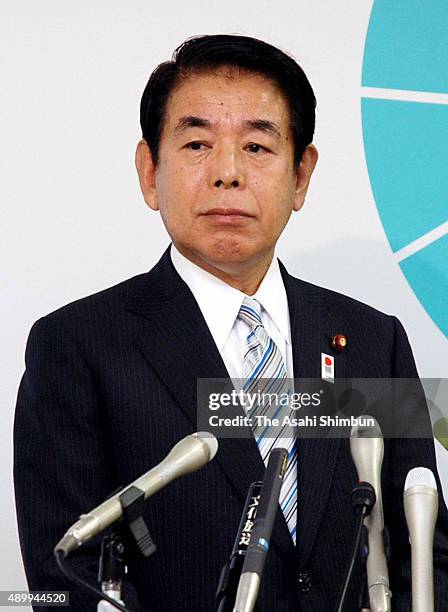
(426, 272)
(407, 46)
(406, 142)
(406, 145)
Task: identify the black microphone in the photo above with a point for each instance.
(231, 572)
(257, 551)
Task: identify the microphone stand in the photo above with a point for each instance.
(112, 569)
(113, 566)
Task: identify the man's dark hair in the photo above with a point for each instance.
(206, 53)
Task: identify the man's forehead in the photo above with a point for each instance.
(251, 101)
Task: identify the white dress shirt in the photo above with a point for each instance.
(220, 304)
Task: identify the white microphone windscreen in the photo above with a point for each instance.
(420, 476)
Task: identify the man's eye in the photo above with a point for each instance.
(255, 148)
(195, 146)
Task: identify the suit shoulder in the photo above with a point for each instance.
(341, 303)
(104, 303)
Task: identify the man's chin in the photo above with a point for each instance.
(230, 261)
(226, 254)
(230, 254)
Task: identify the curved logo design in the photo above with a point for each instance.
(405, 125)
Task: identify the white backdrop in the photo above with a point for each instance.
(74, 221)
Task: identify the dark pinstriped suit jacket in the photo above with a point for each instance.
(110, 387)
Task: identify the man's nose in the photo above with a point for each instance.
(227, 170)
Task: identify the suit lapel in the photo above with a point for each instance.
(312, 327)
(176, 341)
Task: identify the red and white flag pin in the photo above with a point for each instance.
(327, 367)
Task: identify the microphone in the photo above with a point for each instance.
(188, 455)
(367, 450)
(231, 572)
(257, 550)
(421, 504)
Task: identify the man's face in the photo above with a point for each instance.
(225, 183)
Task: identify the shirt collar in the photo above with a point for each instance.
(272, 296)
(220, 303)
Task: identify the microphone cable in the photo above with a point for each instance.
(70, 574)
(363, 500)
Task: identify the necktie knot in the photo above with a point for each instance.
(250, 312)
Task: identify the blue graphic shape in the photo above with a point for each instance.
(407, 46)
(406, 145)
(426, 272)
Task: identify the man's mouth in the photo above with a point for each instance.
(228, 212)
(226, 215)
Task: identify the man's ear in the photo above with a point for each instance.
(304, 172)
(146, 174)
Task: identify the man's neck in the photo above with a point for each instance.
(246, 276)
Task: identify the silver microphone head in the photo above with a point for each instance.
(367, 450)
(209, 440)
(372, 430)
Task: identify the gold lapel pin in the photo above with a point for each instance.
(339, 342)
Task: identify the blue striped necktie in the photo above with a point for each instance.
(264, 371)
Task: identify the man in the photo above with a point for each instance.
(110, 381)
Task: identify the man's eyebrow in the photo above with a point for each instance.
(190, 121)
(263, 125)
(268, 127)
